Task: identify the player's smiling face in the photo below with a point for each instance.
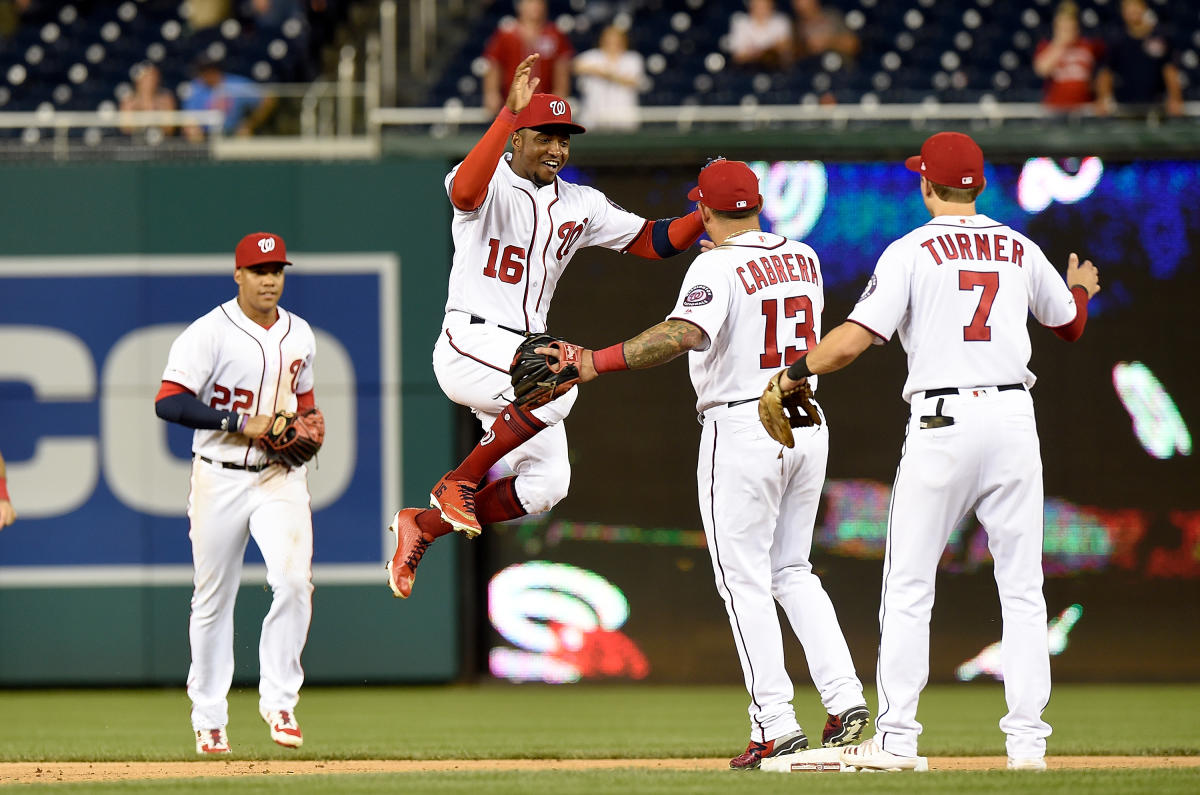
(538, 155)
(259, 288)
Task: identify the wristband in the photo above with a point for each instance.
(799, 369)
(610, 359)
(242, 423)
(4, 490)
(1079, 287)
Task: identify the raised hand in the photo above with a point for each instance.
(523, 85)
(1086, 275)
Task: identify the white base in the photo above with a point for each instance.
(827, 760)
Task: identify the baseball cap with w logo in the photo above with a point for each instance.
(260, 248)
(951, 159)
(547, 111)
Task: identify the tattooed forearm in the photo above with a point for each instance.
(662, 343)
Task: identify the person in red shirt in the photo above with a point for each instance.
(513, 42)
(1068, 62)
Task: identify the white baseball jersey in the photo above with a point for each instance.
(758, 298)
(232, 363)
(510, 253)
(959, 291)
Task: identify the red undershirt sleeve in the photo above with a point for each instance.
(305, 401)
(680, 235)
(470, 185)
(169, 388)
(1074, 330)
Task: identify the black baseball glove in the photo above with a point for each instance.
(293, 439)
(537, 378)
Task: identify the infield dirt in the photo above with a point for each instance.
(31, 772)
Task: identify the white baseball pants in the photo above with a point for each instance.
(988, 461)
(471, 361)
(227, 507)
(758, 511)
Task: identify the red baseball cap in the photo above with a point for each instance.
(727, 185)
(951, 159)
(260, 248)
(548, 110)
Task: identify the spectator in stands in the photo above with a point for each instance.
(8, 514)
(10, 16)
(148, 94)
(1139, 70)
(610, 77)
(515, 41)
(761, 37)
(203, 14)
(819, 30)
(271, 13)
(245, 105)
(1068, 61)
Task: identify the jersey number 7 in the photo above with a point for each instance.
(796, 306)
(979, 330)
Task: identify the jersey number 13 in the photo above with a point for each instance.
(798, 307)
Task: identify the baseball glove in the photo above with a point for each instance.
(293, 439)
(536, 378)
(781, 411)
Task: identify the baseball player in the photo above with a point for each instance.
(8, 514)
(226, 376)
(747, 306)
(958, 291)
(516, 226)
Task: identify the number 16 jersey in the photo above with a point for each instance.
(959, 290)
(758, 297)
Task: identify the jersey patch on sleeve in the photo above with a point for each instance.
(698, 296)
(872, 283)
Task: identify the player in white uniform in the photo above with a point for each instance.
(748, 306)
(8, 514)
(227, 374)
(516, 226)
(958, 291)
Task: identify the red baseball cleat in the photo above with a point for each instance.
(411, 544)
(846, 727)
(284, 729)
(756, 751)
(456, 500)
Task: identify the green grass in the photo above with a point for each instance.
(495, 722)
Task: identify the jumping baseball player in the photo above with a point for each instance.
(958, 291)
(746, 307)
(516, 226)
(8, 514)
(227, 375)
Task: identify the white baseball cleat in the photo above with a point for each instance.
(212, 741)
(1036, 763)
(870, 756)
(284, 729)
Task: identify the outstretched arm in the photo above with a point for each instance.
(667, 237)
(470, 185)
(836, 350)
(654, 346)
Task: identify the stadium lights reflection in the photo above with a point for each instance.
(987, 662)
(1156, 420)
(565, 623)
(1042, 182)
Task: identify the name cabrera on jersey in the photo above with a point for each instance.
(510, 253)
(759, 300)
(233, 364)
(959, 290)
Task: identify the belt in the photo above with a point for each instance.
(733, 403)
(229, 465)
(477, 319)
(949, 390)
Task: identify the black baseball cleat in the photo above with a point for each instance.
(845, 727)
(756, 751)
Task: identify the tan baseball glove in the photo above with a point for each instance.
(781, 411)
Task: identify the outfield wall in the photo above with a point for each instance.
(103, 265)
